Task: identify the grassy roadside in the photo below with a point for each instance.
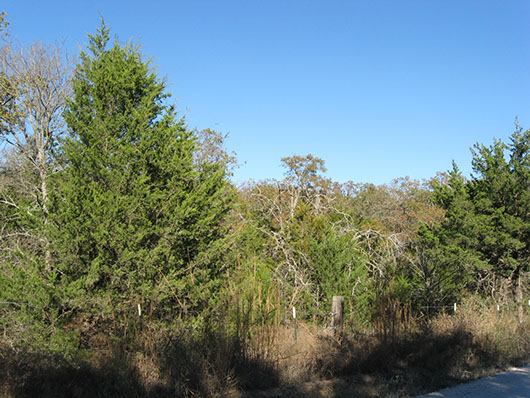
(416, 358)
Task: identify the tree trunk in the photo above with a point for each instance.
(43, 176)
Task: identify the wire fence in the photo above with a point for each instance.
(317, 316)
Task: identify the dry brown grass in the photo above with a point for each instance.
(313, 352)
(401, 358)
(500, 338)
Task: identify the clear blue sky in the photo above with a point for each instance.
(378, 89)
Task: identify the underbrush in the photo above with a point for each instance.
(212, 359)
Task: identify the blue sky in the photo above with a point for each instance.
(378, 89)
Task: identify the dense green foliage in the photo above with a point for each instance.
(135, 220)
(482, 244)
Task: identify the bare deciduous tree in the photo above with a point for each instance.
(211, 150)
(34, 85)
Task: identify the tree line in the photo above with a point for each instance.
(116, 216)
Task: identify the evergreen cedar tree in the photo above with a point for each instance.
(137, 221)
(486, 232)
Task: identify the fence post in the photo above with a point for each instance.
(337, 313)
(295, 327)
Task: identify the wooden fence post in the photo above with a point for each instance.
(337, 314)
(295, 328)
